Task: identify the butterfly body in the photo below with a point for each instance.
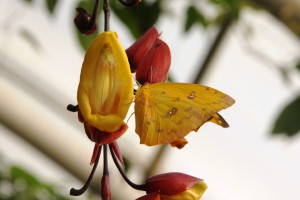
(167, 112)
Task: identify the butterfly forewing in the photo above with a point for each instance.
(166, 112)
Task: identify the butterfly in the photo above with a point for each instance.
(167, 112)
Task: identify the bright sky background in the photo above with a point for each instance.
(242, 162)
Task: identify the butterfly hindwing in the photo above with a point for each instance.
(166, 112)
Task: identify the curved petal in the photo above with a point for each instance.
(105, 90)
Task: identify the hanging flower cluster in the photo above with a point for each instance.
(165, 112)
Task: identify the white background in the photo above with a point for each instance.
(243, 162)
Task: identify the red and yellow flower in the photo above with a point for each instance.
(105, 90)
(174, 186)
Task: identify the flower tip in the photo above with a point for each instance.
(116, 150)
(155, 65)
(138, 49)
(105, 188)
(171, 183)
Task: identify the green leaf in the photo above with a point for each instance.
(18, 173)
(170, 78)
(140, 18)
(231, 7)
(298, 65)
(28, 1)
(88, 5)
(23, 185)
(127, 164)
(288, 122)
(51, 5)
(194, 17)
(85, 40)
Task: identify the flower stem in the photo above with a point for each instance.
(106, 15)
(105, 162)
(95, 13)
(77, 192)
(129, 182)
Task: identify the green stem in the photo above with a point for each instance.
(95, 14)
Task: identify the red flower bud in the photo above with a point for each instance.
(83, 22)
(174, 186)
(154, 66)
(170, 183)
(138, 49)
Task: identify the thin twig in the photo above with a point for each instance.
(214, 48)
(106, 15)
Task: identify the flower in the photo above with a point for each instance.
(105, 90)
(150, 57)
(174, 186)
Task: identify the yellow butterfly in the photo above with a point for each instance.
(167, 112)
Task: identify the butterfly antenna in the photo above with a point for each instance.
(130, 117)
(160, 34)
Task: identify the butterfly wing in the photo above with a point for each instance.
(167, 112)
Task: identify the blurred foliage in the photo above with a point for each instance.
(85, 40)
(18, 184)
(51, 5)
(139, 18)
(288, 120)
(298, 65)
(231, 7)
(193, 17)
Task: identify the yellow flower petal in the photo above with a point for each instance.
(194, 193)
(105, 90)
